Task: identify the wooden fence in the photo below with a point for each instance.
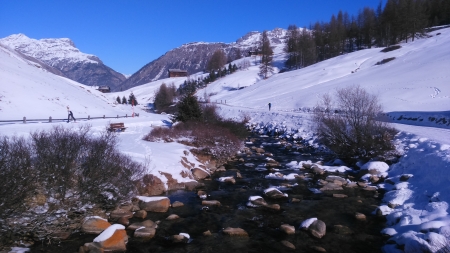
(50, 119)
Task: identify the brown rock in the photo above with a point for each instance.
(91, 247)
(221, 169)
(318, 249)
(172, 217)
(178, 238)
(201, 194)
(230, 180)
(273, 207)
(145, 233)
(360, 216)
(152, 186)
(119, 213)
(207, 233)
(210, 203)
(288, 244)
(141, 214)
(331, 187)
(318, 228)
(154, 204)
(200, 173)
(259, 150)
(61, 235)
(146, 223)
(238, 174)
(94, 225)
(235, 232)
(295, 200)
(288, 229)
(177, 204)
(339, 195)
(123, 221)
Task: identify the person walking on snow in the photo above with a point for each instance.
(270, 105)
(70, 115)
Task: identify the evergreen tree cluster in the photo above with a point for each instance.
(399, 20)
(131, 100)
(192, 85)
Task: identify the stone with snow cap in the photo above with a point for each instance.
(154, 204)
(376, 168)
(114, 238)
(230, 180)
(274, 193)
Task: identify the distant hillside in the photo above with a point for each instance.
(193, 57)
(62, 55)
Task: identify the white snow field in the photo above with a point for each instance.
(415, 85)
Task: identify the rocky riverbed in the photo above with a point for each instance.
(276, 196)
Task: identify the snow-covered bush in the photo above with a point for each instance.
(354, 131)
(73, 166)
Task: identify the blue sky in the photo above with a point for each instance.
(127, 34)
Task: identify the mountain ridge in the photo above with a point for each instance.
(62, 55)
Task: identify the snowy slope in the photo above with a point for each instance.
(26, 90)
(417, 80)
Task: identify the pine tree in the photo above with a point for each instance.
(266, 56)
(124, 100)
(188, 109)
(163, 97)
(118, 100)
(132, 99)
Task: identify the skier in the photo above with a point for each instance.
(270, 105)
(70, 115)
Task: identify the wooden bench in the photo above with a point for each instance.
(117, 127)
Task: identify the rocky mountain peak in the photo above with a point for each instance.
(62, 54)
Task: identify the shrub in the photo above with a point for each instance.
(390, 48)
(72, 166)
(353, 132)
(18, 177)
(209, 134)
(385, 61)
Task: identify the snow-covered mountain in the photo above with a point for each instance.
(193, 57)
(61, 54)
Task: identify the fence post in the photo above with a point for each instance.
(50, 119)
(126, 115)
(225, 101)
(117, 116)
(24, 120)
(103, 116)
(89, 117)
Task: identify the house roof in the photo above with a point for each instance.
(177, 70)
